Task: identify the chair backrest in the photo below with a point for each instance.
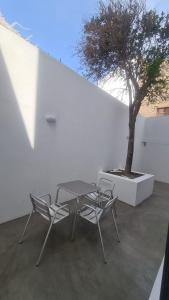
(105, 184)
(40, 206)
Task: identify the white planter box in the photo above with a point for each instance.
(131, 191)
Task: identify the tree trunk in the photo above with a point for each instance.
(134, 105)
(130, 150)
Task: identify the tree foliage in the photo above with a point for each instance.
(125, 39)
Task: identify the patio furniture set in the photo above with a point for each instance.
(101, 198)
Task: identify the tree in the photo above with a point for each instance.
(126, 40)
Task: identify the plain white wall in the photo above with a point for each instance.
(90, 132)
(154, 156)
(36, 155)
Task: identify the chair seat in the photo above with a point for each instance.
(90, 215)
(61, 214)
(93, 196)
(101, 197)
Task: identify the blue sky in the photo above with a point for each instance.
(55, 25)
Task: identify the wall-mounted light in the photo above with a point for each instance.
(50, 119)
(144, 143)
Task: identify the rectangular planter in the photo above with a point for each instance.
(131, 191)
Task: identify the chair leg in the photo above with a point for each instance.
(101, 240)
(115, 209)
(115, 224)
(44, 244)
(100, 201)
(24, 231)
(75, 218)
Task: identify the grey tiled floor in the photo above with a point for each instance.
(75, 270)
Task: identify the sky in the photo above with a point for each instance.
(55, 25)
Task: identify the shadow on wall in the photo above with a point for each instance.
(21, 171)
(16, 151)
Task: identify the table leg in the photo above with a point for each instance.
(75, 220)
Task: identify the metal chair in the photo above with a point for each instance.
(105, 192)
(53, 213)
(94, 214)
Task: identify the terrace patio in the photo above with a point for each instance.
(75, 270)
(57, 127)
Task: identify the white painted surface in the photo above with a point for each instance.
(36, 155)
(90, 132)
(155, 293)
(131, 191)
(154, 156)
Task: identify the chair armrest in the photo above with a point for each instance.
(108, 191)
(59, 208)
(93, 209)
(93, 183)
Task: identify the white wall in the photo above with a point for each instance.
(154, 156)
(34, 155)
(90, 132)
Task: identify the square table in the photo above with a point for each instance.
(77, 188)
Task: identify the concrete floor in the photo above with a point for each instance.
(75, 270)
